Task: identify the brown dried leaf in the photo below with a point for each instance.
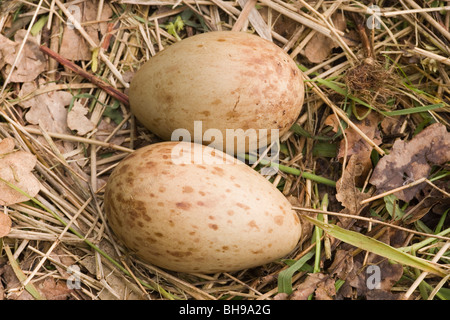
(77, 120)
(47, 109)
(49, 288)
(15, 168)
(53, 289)
(326, 290)
(347, 192)
(411, 160)
(31, 62)
(359, 147)
(320, 47)
(342, 264)
(319, 284)
(74, 46)
(5, 225)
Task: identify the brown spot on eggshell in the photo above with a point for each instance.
(230, 212)
(252, 224)
(279, 220)
(123, 169)
(183, 205)
(187, 189)
(243, 206)
(213, 226)
(179, 254)
(218, 171)
(149, 164)
(159, 234)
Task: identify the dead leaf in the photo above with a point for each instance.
(347, 193)
(411, 160)
(49, 288)
(326, 290)
(46, 110)
(342, 264)
(73, 45)
(320, 46)
(31, 62)
(77, 120)
(5, 225)
(359, 147)
(116, 285)
(53, 289)
(391, 125)
(333, 122)
(15, 168)
(319, 284)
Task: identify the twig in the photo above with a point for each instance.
(422, 276)
(80, 71)
(79, 139)
(243, 17)
(371, 220)
(384, 194)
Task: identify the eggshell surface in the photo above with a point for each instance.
(184, 214)
(223, 80)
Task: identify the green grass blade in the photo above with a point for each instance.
(290, 170)
(414, 110)
(333, 86)
(285, 276)
(21, 276)
(369, 244)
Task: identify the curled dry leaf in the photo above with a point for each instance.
(412, 160)
(77, 120)
(31, 63)
(319, 284)
(15, 168)
(347, 193)
(74, 46)
(358, 147)
(47, 109)
(5, 224)
(320, 47)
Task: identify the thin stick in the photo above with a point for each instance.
(427, 17)
(424, 274)
(243, 17)
(370, 220)
(425, 53)
(79, 139)
(22, 45)
(384, 194)
(80, 71)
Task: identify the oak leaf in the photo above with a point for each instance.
(77, 120)
(31, 62)
(411, 160)
(15, 168)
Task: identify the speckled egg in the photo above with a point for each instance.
(190, 208)
(224, 80)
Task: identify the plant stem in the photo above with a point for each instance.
(296, 172)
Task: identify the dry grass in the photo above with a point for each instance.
(403, 64)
